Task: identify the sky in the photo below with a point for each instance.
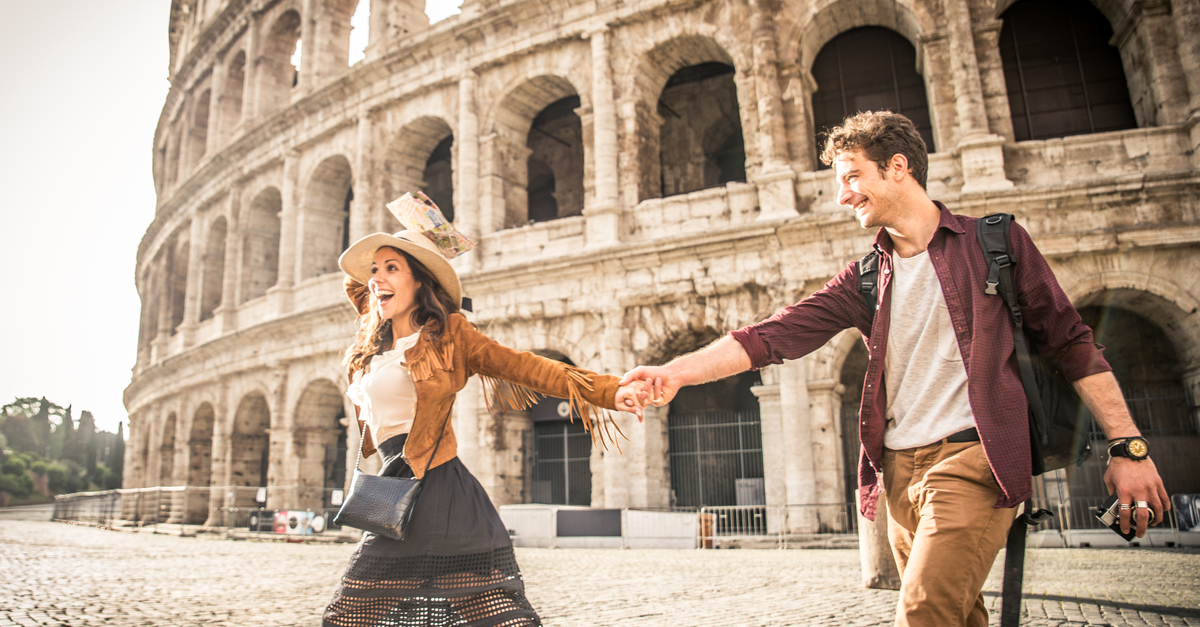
(83, 85)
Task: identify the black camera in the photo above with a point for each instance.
(1109, 515)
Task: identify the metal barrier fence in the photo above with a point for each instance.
(777, 524)
(308, 510)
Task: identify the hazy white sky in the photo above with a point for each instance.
(83, 85)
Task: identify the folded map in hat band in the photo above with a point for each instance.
(418, 213)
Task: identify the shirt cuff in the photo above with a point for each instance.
(1082, 360)
(752, 343)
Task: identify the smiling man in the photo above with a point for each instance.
(944, 422)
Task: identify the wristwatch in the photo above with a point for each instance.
(1135, 448)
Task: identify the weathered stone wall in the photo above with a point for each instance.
(262, 167)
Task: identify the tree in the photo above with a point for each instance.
(116, 456)
(87, 437)
(72, 448)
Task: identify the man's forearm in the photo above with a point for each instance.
(1103, 397)
(723, 358)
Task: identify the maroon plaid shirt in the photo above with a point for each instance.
(984, 331)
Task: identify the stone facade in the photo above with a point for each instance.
(641, 178)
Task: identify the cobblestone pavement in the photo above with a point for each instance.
(59, 574)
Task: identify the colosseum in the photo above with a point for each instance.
(641, 178)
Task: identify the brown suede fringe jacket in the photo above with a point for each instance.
(513, 381)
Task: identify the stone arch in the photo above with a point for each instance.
(197, 137)
(199, 472)
(662, 75)
(1114, 11)
(507, 146)
(276, 74)
(807, 38)
(214, 268)
(419, 158)
(177, 282)
(325, 217)
(260, 244)
(166, 451)
(320, 441)
(232, 96)
(249, 448)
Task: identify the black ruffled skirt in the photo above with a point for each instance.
(455, 567)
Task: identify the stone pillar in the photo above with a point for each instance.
(825, 400)
(195, 279)
(466, 173)
(879, 569)
(331, 45)
(215, 136)
(309, 51)
(1185, 15)
(366, 183)
(1150, 21)
(289, 266)
(775, 454)
(250, 108)
(991, 77)
(220, 470)
(796, 101)
(159, 284)
(776, 181)
(981, 152)
(604, 217)
(226, 311)
(797, 440)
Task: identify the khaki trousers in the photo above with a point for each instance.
(945, 534)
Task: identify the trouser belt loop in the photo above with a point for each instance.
(966, 435)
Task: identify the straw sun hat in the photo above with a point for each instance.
(430, 239)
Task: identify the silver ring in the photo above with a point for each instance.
(656, 400)
(1125, 506)
(1143, 505)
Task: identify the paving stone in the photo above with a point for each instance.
(67, 575)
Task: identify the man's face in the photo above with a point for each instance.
(864, 188)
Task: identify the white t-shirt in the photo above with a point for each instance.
(386, 393)
(926, 379)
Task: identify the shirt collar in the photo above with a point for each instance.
(947, 220)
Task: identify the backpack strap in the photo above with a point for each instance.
(993, 239)
(868, 280)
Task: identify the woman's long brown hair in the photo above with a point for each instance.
(433, 309)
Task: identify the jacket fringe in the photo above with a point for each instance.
(500, 395)
(428, 356)
(591, 414)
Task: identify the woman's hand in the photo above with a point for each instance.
(632, 397)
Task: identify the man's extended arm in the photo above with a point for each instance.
(723, 358)
(1130, 480)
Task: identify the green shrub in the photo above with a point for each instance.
(14, 465)
(38, 467)
(9, 483)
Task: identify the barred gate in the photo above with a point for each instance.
(716, 459)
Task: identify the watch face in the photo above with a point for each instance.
(1137, 448)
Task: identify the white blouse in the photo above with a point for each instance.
(386, 394)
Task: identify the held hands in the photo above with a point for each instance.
(1134, 483)
(632, 397)
(660, 383)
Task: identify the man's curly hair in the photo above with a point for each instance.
(880, 135)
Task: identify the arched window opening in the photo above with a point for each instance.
(166, 453)
(279, 64)
(326, 217)
(555, 143)
(260, 245)
(250, 447)
(700, 140)
(562, 453)
(320, 443)
(200, 463)
(439, 177)
(359, 35)
(231, 96)
(178, 285)
(214, 269)
(715, 441)
(1063, 76)
(868, 69)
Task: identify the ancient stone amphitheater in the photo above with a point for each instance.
(641, 177)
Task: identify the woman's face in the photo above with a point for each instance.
(393, 286)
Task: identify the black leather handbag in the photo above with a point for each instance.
(379, 504)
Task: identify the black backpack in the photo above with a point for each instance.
(1058, 426)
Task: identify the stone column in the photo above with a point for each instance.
(797, 436)
(250, 107)
(796, 102)
(775, 454)
(604, 217)
(825, 400)
(308, 48)
(466, 174)
(215, 136)
(366, 183)
(1185, 15)
(981, 152)
(1150, 22)
(991, 77)
(220, 470)
(226, 311)
(289, 266)
(195, 279)
(776, 181)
